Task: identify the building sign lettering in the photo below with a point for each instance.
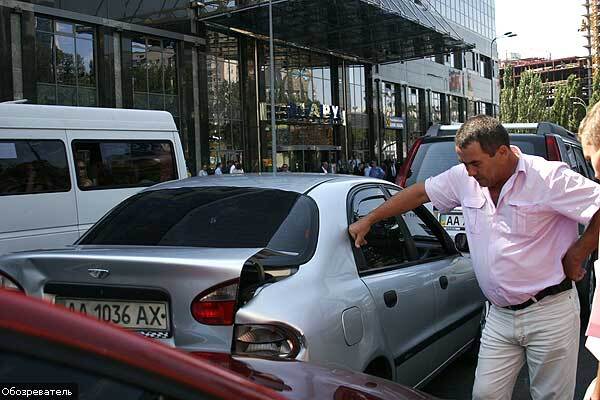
(305, 113)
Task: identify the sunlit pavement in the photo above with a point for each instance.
(456, 381)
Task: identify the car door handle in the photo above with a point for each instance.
(390, 298)
(444, 282)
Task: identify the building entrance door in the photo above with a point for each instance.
(307, 158)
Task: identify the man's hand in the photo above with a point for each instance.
(572, 262)
(595, 393)
(359, 230)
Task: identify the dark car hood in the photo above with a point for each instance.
(303, 381)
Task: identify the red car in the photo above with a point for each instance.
(43, 347)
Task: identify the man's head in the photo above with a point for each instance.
(325, 164)
(483, 145)
(284, 168)
(81, 169)
(589, 135)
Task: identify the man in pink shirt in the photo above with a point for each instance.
(521, 215)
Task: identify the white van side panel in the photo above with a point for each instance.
(179, 157)
(38, 220)
(93, 204)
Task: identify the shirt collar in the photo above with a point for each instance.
(521, 164)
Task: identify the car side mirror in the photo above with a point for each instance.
(461, 242)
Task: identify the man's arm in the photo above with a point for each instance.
(596, 392)
(405, 200)
(581, 249)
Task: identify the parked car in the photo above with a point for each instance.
(434, 153)
(51, 348)
(63, 168)
(264, 266)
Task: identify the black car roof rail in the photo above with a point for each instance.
(540, 128)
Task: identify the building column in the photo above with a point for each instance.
(106, 67)
(126, 71)
(339, 132)
(6, 66)
(250, 102)
(369, 83)
(28, 53)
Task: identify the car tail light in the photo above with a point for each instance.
(552, 148)
(9, 284)
(216, 306)
(272, 341)
(404, 172)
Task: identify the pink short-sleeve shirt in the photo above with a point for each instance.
(518, 245)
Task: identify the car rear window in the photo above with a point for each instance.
(217, 217)
(433, 158)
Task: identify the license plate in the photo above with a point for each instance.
(136, 315)
(452, 221)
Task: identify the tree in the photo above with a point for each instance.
(566, 110)
(595, 90)
(531, 98)
(508, 97)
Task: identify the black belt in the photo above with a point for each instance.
(565, 285)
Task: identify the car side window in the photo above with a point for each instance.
(33, 166)
(387, 243)
(428, 241)
(582, 165)
(18, 367)
(123, 164)
(571, 159)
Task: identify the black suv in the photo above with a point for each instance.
(434, 153)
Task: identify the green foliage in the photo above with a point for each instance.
(508, 97)
(567, 110)
(595, 90)
(531, 98)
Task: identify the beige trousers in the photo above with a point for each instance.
(546, 334)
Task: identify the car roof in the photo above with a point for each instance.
(539, 128)
(293, 182)
(86, 118)
(29, 317)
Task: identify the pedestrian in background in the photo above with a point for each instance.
(521, 216)
(203, 171)
(219, 169)
(589, 135)
(376, 171)
(236, 168)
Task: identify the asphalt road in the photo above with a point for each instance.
(456, 381)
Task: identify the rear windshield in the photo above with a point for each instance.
(218, 217)
(433, 158)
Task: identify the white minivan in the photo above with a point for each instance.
(62, 168)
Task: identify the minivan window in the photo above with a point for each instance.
(122, 164)
(217, 217)
(33, 166)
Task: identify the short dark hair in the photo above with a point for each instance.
(485, 130)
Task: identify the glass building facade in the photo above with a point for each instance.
(476, 15)
(336, 100)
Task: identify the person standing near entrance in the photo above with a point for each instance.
(325, 167)
(521, 215)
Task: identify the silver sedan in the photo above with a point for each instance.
(264, 266)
